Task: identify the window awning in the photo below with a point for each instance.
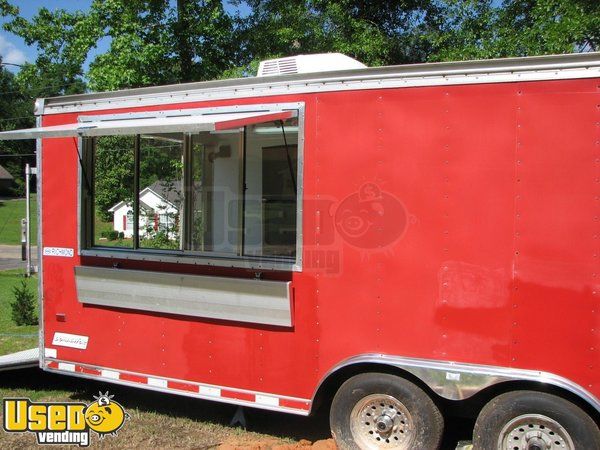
(165, 124)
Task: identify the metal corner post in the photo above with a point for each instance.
(28, 172)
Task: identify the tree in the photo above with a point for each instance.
(407, 31)
(113, 169)
(365, 30)
(151, 42)
(485, 29)
(23, 307)
(63, 40)
(15, 112)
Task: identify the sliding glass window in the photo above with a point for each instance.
(229, 193)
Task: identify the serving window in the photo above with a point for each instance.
(228, 196)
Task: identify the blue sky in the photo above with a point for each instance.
(14, 50)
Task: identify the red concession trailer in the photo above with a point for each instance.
(395, 243)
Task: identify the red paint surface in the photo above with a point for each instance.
(492, 256)
(133, 378)
(238, 395)
(182, 386)
(88, 370)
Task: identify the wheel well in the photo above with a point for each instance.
(467, 408)
(329, 386)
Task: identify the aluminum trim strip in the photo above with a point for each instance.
(194, 259)
(40, 271)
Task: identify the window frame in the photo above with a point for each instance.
(85, 203)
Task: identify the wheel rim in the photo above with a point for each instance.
(380, 421)
(534, 432)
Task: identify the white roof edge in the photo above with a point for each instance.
(567, 66)
(116, 206)
(148, 188)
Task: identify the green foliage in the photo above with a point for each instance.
(63, 40)
(12, 337)
(23, 307)
(113, 167)
(111, 235)
(159, 240)
(367, 31)
(485, 29)
(15, 113)
(151, 42)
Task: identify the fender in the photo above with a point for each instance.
(459, 381)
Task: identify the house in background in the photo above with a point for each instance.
(6, 181)
(159, 210)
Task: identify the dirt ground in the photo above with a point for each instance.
(165, 421)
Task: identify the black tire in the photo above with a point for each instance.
(421, 428)
(540, 412)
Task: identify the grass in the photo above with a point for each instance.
(12, 337)
(11, 213)
(160, 420)
(101, 226)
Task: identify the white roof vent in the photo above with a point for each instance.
(322, 62)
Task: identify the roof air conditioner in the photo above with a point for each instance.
(322, 62)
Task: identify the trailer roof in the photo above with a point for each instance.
(577, 65)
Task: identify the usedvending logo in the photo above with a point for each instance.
(64, 423)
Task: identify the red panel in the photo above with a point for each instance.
(453, 223)
(557, 225)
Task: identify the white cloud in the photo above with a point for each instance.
(10, 53)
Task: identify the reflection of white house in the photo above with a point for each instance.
(159, 210)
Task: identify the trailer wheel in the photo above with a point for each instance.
(381, 411)
(529, 420)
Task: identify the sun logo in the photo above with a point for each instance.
(105, 416)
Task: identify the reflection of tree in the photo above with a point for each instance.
(159, 160)
(162, 162)
(113, 172)
(197, 216)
